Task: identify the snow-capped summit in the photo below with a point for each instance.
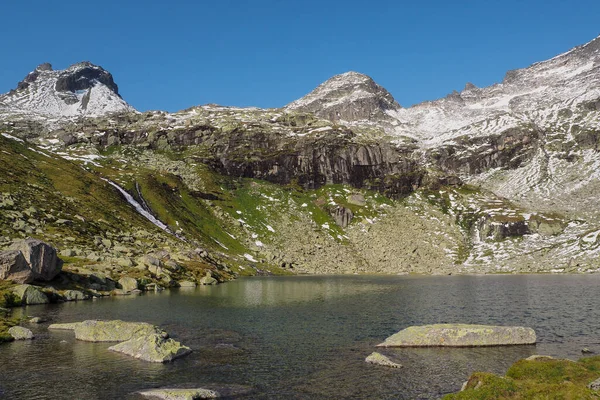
(83, 89)
(349, 97)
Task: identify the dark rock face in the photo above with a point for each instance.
(510, 149)
(14, 267)
(41, 258)
(312, 165)
(310, 162)
(83, 79)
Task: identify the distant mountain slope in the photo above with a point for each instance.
(83, 89)
(349, 97)
(498, 179)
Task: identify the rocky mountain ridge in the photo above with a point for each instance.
(82, 90)
(497, 179)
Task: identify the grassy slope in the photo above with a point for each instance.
(58, 189)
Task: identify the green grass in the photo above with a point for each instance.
(6, 300)
(535, 379)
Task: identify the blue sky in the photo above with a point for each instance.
(176, 54)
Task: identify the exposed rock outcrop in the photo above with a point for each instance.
(460, 335)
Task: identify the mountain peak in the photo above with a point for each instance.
(82, 89)
(348, 97)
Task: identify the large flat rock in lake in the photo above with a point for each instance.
(460, 335)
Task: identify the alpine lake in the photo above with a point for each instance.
(304, 337)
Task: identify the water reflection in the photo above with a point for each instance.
(305, 337)
(278, 291)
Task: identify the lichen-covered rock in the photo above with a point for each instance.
(380, 359)
(14, 267)
(71, 295)
(186, 284)
(128, 284)
(29, 295)
(109, 331)
(460, 335)
(41, 258)
(179, 394)
(20, 333)
(153, 347)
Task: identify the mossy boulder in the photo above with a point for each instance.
(179, 394)
(108, 331)
(29, 295)
(460, 335)
(153, 347)
(20, 333)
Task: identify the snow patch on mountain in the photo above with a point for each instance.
(82, 90)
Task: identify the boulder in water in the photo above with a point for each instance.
(460, 335)
(154, 348)
(380, 359)
(128, 284)
(179, 394)
(20, 333)
(108, 331)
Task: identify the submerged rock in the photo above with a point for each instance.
(154, 348)
(20, 333)
(380, 359)
(460, 335)
(108, 331)
(179, 394)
